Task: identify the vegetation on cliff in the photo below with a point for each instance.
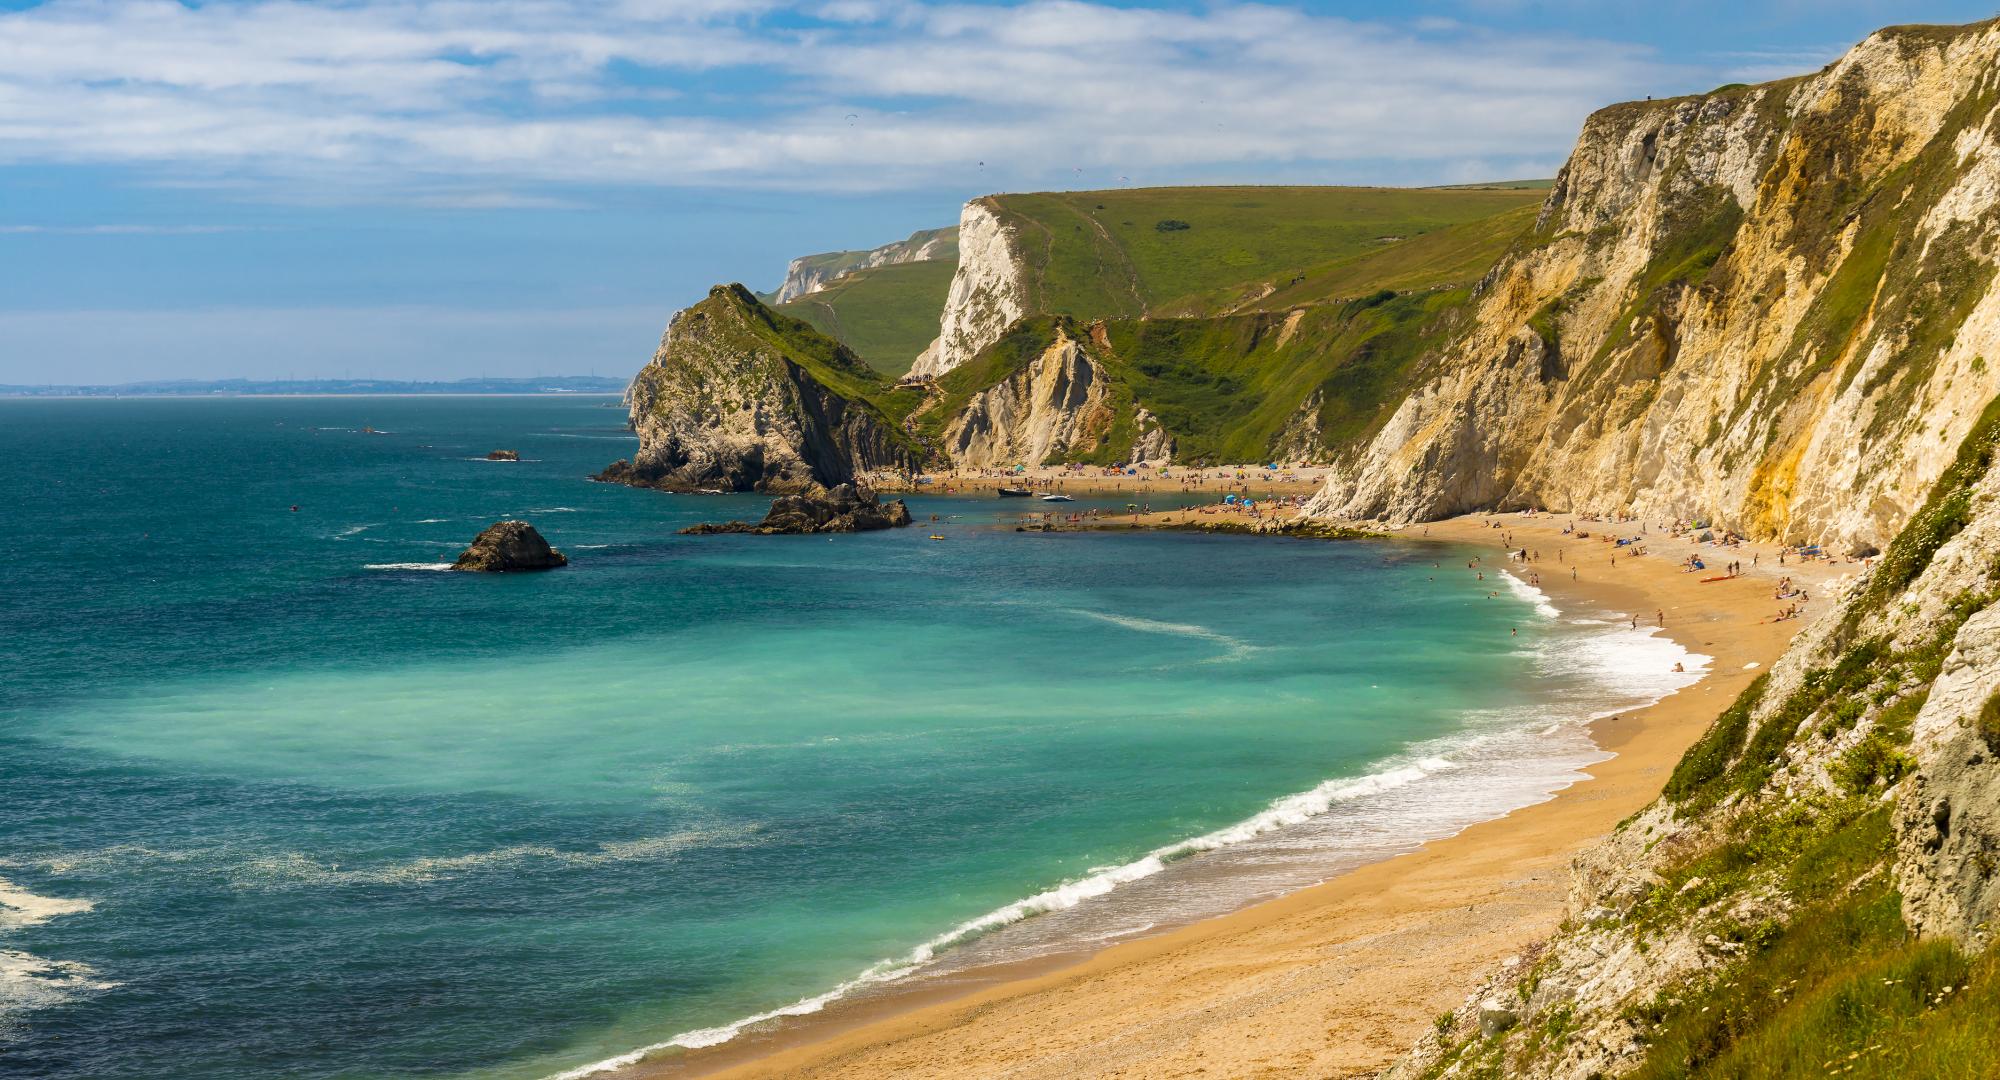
(740, 397)
(1103, 255)
(1788, 898)
(885, 314)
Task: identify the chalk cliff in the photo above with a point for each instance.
(808, 274)
(1773, 306)
(987, 293)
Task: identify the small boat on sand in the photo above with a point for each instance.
(1057, 498)
(1015, 493)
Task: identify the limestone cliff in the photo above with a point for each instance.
(1824, 866)
(808, 274)
(987, 296)
(740, 398)
(1037, 414)
(1771, 306)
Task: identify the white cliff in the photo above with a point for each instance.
(987, 293)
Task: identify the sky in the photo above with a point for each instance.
(457, 188)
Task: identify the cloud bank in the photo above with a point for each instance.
(442, 96)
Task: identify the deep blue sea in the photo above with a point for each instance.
(277, 798)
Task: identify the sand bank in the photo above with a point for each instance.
(1338, 979)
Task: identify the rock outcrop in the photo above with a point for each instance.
(509, 545)
(987, 293)
(842, 509)
(1039, 413)
(503, 455)
(1771, 306)
(809, 274)
(1860, 772)
(741, 398)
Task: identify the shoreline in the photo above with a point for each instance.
(1185, 1000)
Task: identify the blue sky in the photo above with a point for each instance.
(447, 188)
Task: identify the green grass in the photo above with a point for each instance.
(1227, 387)
(1103, 254)
(744, 325)
(1840, 987)
(835, 263)
(887, 315)
(1453, 255)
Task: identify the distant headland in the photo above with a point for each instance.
(540, 384)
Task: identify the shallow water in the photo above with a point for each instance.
(275, 799)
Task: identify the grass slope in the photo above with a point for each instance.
(1227, 387)
(745, 326)
(887, 314)
(1209, 250)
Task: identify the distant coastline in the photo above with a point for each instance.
(543, 384)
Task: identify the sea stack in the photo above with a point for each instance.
(844, 508)
(509, 545)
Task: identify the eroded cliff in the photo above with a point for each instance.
(1771, 306)
(987, 296)
(1816, 890)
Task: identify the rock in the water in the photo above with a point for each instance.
(844, 508)
(503, 455)
(509, 545)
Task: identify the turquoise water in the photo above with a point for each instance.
(276, 799)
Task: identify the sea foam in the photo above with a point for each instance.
(28, 981)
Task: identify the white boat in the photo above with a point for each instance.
(1057, 498)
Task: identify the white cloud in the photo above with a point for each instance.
(370, 97)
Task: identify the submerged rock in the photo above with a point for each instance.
(509, 545)
(845, 508)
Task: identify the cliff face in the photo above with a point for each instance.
(1772, 306)
(739, 398)
(1765, 906)
(987, 293)
(808, 274)
(1037, 414)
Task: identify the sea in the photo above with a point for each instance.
(280, 797)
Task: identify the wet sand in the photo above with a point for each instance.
(1339, 979)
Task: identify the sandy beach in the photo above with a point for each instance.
(1341, 978)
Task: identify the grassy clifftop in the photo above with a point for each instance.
(1210, 250)
(886, 314)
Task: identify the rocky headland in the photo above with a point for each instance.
(741, 398)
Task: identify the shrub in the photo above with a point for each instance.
(1988, 724)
